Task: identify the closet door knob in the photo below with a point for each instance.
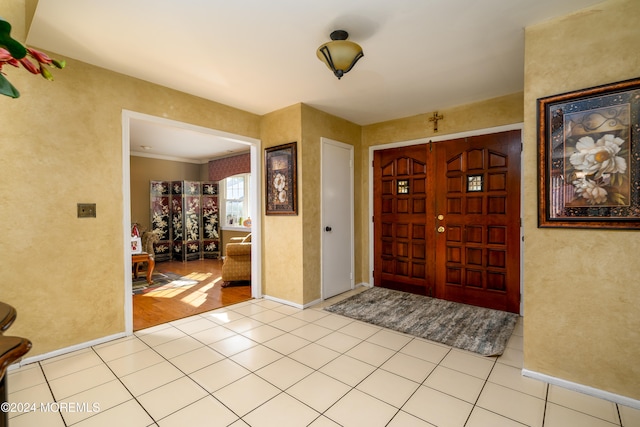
(327, 228)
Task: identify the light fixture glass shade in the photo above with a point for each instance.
(340, 55)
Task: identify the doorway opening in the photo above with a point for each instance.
(209, 136)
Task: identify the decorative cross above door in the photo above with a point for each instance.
(435, 119)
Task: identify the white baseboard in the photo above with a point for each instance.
(309, 304)
(581, 388)
(312, 303)
(60, 352)
(284, 301)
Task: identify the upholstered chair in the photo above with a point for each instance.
(237, 263)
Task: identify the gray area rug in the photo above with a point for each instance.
(476, 329)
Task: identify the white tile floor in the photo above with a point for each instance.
(261, 363)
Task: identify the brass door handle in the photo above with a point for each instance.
(441, 229)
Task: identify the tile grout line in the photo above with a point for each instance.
(421, 384)
(619, 415)
(123, 385)
(486, 380)
(104, 362)
(250, 371)
(344, 353)
(188, 375)
(51, 391)
(546, 403)
(241, 417)
(281, 391)
(314, 370)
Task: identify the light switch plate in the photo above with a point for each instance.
(86, 210)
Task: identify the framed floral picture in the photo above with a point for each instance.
(589, 158)
(281, 180)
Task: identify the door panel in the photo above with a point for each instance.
(401, 208)
(447, 220)
(337, 217)
(478, 248)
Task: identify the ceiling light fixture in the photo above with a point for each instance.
(340, 55)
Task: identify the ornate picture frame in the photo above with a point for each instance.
(589, 158)
(281, 179)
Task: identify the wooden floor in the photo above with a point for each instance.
(155, 308)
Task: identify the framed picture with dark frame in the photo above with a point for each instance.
(589, 158)
(281, 179)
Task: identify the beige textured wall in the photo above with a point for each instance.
(292, 250)
(62, 144)
(282, 246)
(582, 293)
(315, 125)
(146, 169)
(14, 11)
(505, 110)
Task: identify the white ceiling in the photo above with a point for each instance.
(165, 139)
(260, 56)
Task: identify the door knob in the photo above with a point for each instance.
(441, 229)
(327, 228)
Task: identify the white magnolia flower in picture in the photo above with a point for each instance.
(599, 157)
(279, 182)
(590, 190)
(600, 170)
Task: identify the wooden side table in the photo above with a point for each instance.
(7, 316)
(143, 257)
(11, 350)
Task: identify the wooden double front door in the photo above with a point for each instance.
(447, 220)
